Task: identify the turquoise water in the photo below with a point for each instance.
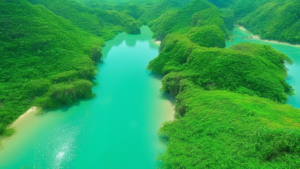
(292, 51)
(118, 128)
(115, 130)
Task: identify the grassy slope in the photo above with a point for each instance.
(222, 119)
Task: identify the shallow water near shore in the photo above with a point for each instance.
(293, 51)
(117, 129)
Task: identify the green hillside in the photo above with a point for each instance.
(221, 129)
(229, 104)
(231, 109)
(96, 21)
(46, 60)
(275, 21)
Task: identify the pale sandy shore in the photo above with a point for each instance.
(157, 42)
(29, 114)
(271, 41)
(22, 121)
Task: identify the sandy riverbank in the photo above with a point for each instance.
(25, 119)
(271, 41)
(157, 42)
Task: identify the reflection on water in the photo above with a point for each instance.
(117, 129)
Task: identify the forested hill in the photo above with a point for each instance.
(96, 21)
(48, 57)
(276, 21)
(270, 19)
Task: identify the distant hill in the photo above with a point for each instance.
(278, 20)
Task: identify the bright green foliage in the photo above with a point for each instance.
(65, 76)
(46, 61)
(208, 36)
(39, 49)
(202, 22)
(228, 101)
(99, 22)
(276, 21)
(244, 68)
(161, 7)
(183, 19)
(244, 7)
(221, 129)
(175, 49)
(222, 119)
(67, 93)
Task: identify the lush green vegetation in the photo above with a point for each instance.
(199, 20)
(221, 129)
(276, 21)
(48, 58)
(230, 103)
(96, 21)
(270, 19)
(244, 68)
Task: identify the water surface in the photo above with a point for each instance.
(115, 130)
(291, 50)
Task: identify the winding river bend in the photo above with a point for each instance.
(116, 130)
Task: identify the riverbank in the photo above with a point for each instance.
(23, 120)
(118, 126)
(266, 40)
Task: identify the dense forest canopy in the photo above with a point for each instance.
(230, 102)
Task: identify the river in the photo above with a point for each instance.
(117, 129)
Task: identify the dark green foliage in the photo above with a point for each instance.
(67, 93)
(36, 87)
(229, 18)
